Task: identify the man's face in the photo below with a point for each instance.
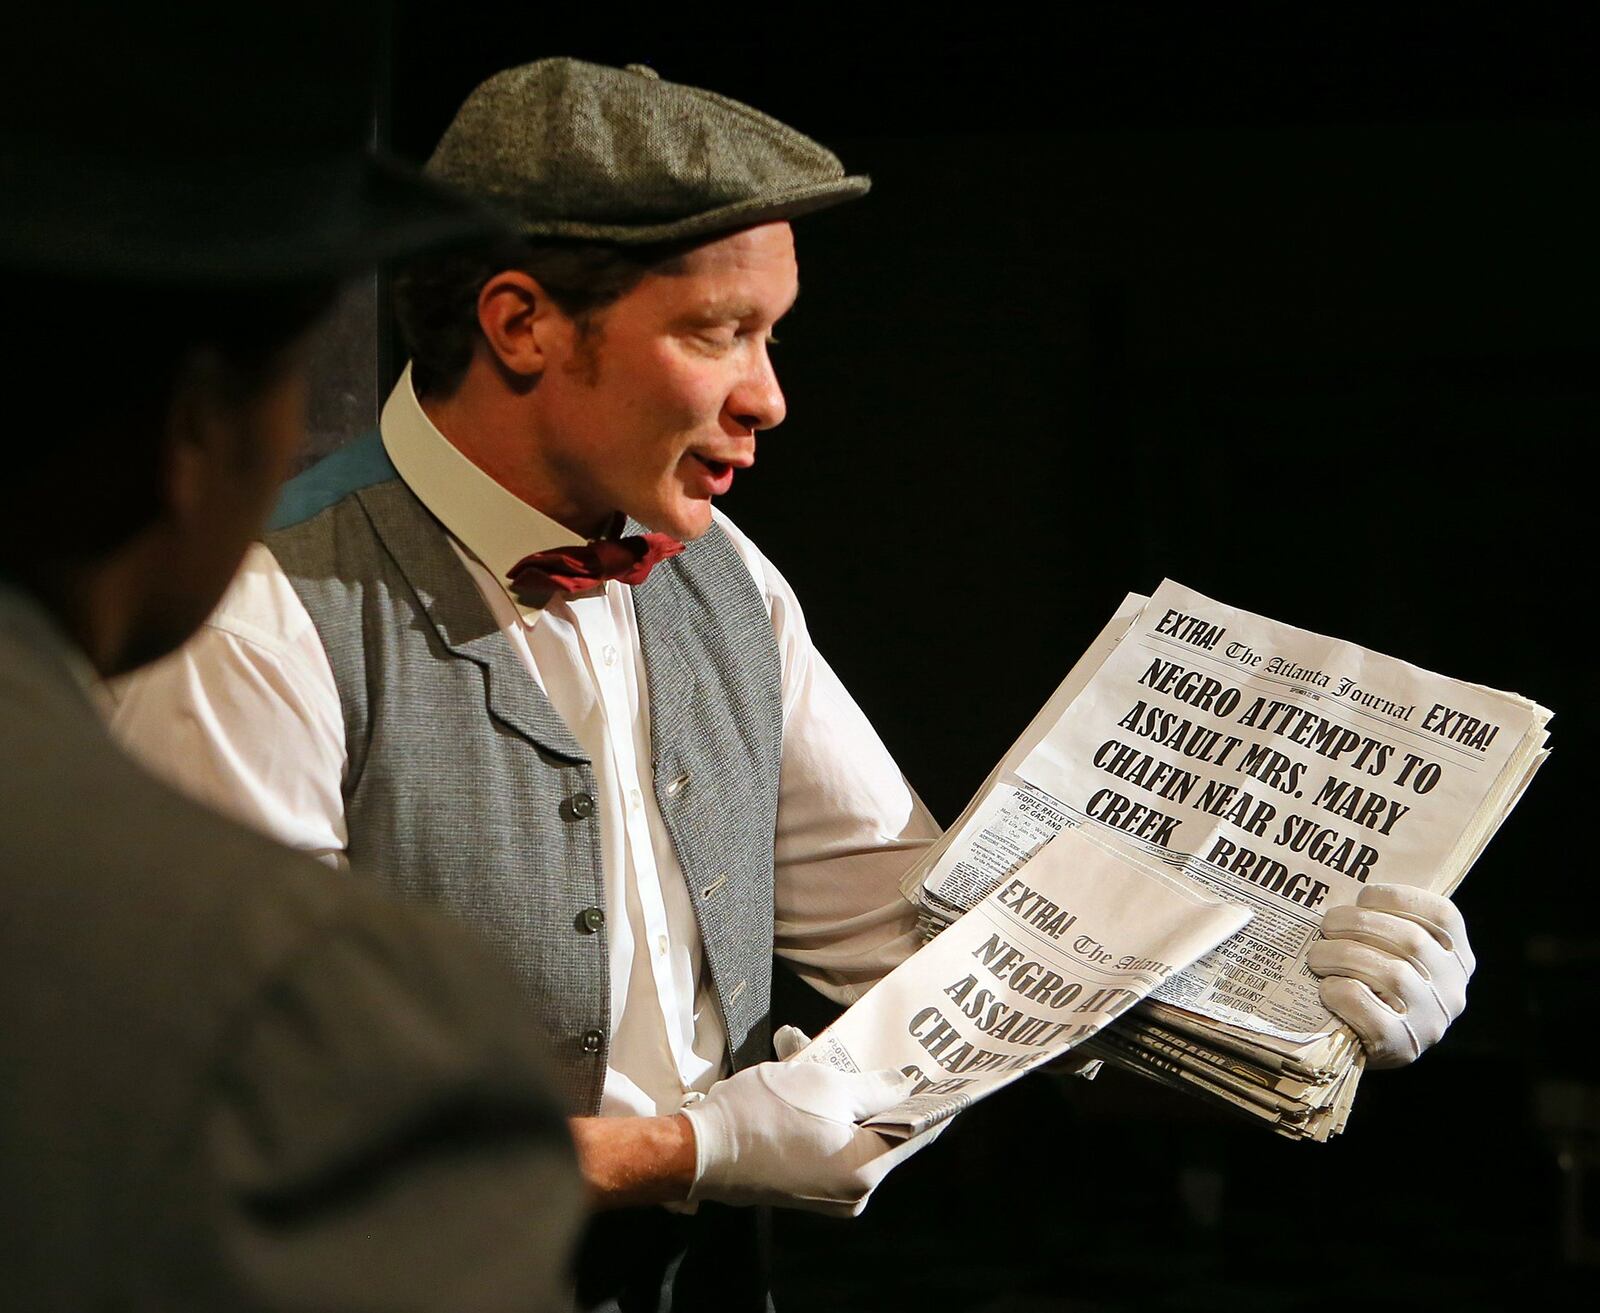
(653, 409)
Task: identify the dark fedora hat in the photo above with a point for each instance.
(206, 146)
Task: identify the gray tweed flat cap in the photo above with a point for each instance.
(576, 150)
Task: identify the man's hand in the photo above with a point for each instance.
(785, 1133)
(1394, 965)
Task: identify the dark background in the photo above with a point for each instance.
(1297, 306)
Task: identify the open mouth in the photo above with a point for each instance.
(717, 477)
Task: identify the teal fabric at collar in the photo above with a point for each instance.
(359, 464)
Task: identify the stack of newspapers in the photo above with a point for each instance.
(1275, 768)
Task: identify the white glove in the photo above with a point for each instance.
(789, 1040)
(1394, 965)
(785, 1133)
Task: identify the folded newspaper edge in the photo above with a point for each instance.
(1072, 939)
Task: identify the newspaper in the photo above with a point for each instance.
(1278, 768)
(1066, 943)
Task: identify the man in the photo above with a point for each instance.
(624, 761)
(225, 1080)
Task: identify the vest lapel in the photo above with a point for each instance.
(671, 679)
(723, 837)
(462, 621)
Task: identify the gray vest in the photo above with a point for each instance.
(464, 788)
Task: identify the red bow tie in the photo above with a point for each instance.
(578, 569)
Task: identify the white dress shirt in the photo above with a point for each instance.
(246, 717)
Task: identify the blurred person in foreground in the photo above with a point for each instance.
(226, 1081)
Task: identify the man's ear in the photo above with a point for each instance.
(226, 437)
(525, 330)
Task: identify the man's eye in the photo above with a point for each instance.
(721, 340)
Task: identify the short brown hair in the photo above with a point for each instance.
(436, 299)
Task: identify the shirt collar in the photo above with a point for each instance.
(494, 525)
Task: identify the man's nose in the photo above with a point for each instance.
(757, 402)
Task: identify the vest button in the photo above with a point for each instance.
(591, 919)
(592, 1040)
(581, 805)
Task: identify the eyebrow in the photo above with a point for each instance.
(736, 310)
